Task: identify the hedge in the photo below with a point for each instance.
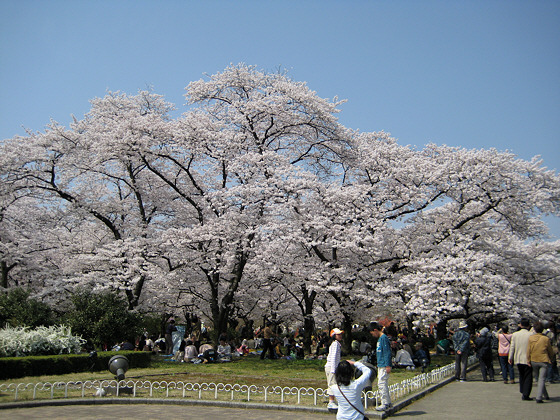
(19, 367)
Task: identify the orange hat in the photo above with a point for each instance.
(335, 331)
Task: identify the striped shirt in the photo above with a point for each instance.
(333, 359)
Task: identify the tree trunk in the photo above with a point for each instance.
(308, 320)
(347, 336)
(5, 272)
(441, 329)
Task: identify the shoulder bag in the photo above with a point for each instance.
(353, 406)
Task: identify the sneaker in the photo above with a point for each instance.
(332, 406)
(382, 407)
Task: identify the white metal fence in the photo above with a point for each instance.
(211, 391)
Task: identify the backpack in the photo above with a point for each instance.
(494, 342)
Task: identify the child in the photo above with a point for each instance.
(333, 359)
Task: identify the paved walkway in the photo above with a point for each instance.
(476, 400)
(155, 411)
(473, 399)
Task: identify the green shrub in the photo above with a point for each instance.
(18, 309)
(19, 367)
(103, 318)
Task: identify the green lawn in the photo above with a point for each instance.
(246, 371)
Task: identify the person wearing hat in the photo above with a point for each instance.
(333, 359)
(461, 344)
(384, 356)
(518, 355)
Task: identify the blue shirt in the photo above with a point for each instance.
(383, 352)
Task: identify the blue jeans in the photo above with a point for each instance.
(552, 373)
(507, 369)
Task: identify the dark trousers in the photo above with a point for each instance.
(267, 346)
(461, 365)
(487, 368)
(525, 379)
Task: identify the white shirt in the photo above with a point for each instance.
(333, 359)
(354, 394)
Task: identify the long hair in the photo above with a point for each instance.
(344, 373)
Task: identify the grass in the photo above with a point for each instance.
(246, 371)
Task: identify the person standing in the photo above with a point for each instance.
(384, 356)
(348, 391)
(483, 344)
(267, 342)
(333, 359)
(504, 340)
(552, 333)
(169, 335)
(539, 356)
(461, 344)
(518, 355)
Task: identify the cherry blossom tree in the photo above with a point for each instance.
(462, 211)
(257, 202)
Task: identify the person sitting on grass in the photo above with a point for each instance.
(224, 350)
(420, 357)
(190, 351)
(443, 346)
(207, 353)
(403, 359)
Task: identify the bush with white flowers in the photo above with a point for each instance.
(23, 341)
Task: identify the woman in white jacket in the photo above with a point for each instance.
(348, 391)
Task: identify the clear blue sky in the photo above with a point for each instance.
(477, 74)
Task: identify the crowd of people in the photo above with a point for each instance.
(532, 349)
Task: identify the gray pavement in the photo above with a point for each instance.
(155, 411)
(473, 399)
(476, 400)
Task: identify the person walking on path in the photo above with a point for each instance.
(461, 344)
(267, 342)
(333, 359)
(552, 333)
(384, 356)
(504, 341)
(539, 356)
(348, 392)
(483, 344)
(518, 355)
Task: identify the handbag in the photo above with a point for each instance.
(353, 406)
